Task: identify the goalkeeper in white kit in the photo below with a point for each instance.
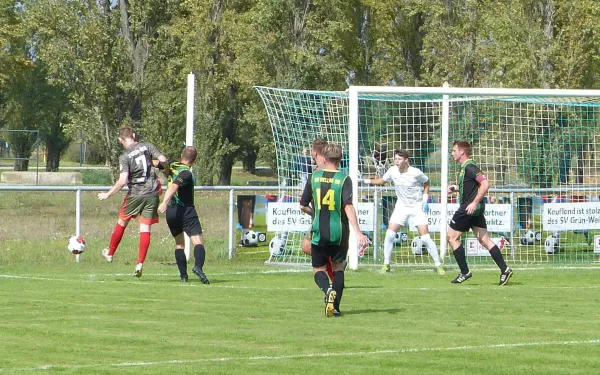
(412, 190)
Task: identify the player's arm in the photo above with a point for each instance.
(157, 155)
(184, 178)
(425, 199)
(306, 199)
(121, 182)
(163, 164)
(484, 186)
(387, 177)
(351, 213)
(171, 191)
(374, 181)
(164, 168)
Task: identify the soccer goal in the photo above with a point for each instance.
(537, 148)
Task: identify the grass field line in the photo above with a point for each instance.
(94, 279)
(309, 355)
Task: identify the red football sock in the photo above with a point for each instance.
(329, 269)
(115, 238)
(144, 245)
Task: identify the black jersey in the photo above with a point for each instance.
(182, 176)
(469, 186)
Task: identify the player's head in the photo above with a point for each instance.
(461, 150)
(189, 155)
(126, 135)
(333, 154)
(317, 151)
(401, 158)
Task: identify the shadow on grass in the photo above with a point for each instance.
(372, 311)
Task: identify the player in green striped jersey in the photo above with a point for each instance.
(330, 192)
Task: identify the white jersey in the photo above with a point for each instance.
(408, 185)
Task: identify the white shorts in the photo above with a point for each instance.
(402, 214)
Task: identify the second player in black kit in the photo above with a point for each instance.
(181, 214)
(472, 187)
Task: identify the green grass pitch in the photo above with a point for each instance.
(96, 318)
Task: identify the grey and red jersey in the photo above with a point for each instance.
(137, 161)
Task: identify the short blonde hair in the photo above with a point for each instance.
(333, 153)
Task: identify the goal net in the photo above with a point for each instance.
(537, 148)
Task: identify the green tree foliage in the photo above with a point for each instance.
(126, 62)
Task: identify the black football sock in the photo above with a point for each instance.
(461, 260)
(338, 286)
(498, 258)
(199, 256)
(181, 262)
(322, 281)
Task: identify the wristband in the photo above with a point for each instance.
(367, 181)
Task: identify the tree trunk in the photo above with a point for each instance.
(52, 160)
(249, 162)
(225, 168)
(22, 162)
(22, 144)
(547, 13)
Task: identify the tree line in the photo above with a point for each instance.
(91, 66)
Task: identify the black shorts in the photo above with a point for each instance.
(320, 254)
(462, 221)
(183, 219)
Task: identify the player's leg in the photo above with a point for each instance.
(459, 224)
(396, 221)
(306, 248)
(306, 245)
(180, 257)
(199, 257)
(319, 260)
(421, 222)
(431, 248)
(176, 229)
(485, 240)
(117, 233)
(193, 229)
(148, 207)
(338, 284)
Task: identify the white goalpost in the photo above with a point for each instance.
(534, 145)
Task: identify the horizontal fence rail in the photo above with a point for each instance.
(377, 193)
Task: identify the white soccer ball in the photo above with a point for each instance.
(276, 246)
(400, 237)
(528, 238)
(418, 246)
(552, 245)
(76, 244)
(250, 238)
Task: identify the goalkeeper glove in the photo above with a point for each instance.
(362, 179)
(425, 203)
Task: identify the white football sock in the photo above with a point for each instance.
(431, 249)
(388, 246)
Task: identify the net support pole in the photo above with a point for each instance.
(231, 222)
(444, 173)
(189, 138)
(353, 170)
(78, 213)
